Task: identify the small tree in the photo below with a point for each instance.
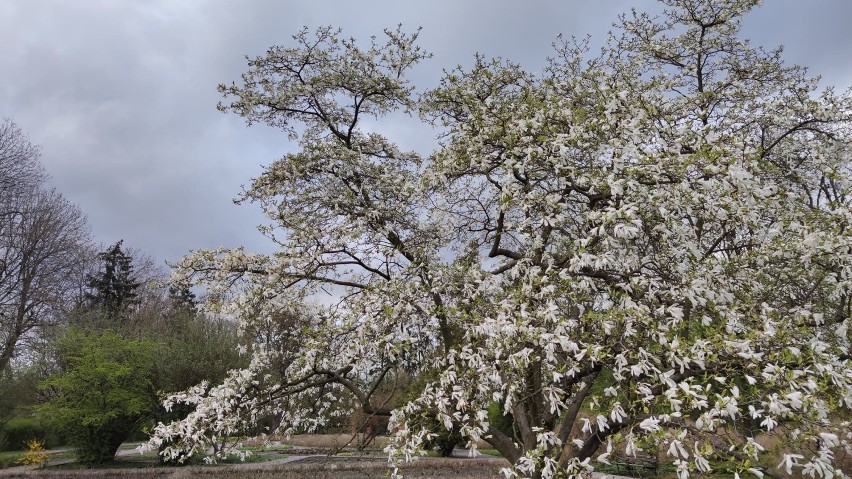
(104, 393)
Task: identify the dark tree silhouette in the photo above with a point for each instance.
(113, 288)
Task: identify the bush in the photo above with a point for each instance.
(36, 455)
(17, 431)
(445, 441)
(104, 394)
(21, 429)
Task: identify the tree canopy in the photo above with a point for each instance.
(647, 248)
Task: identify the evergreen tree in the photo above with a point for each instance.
(113, 288)
(182, 299)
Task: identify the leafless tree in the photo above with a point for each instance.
(43, 240)
(20, 169)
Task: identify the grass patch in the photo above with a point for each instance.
(10, 458)
(253, 458)
(124, 462)
(271, 447)
(127, 446)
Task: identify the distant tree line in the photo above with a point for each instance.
(90, 337)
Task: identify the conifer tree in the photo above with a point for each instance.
(182, 299)
(113, 288)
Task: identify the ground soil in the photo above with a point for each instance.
(332, 441)
(312, 456)
(437, 468)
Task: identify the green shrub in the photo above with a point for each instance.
(18, 430)
(104, 394)
(21, 429)
(445, 441)
(504, 423)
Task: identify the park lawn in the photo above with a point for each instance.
(13, 458)
(10, 458)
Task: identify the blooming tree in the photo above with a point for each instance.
(645, 249)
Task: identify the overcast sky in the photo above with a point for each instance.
(121, 95)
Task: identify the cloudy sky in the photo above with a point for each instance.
(121, 95)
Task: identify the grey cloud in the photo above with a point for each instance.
(122, 95)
